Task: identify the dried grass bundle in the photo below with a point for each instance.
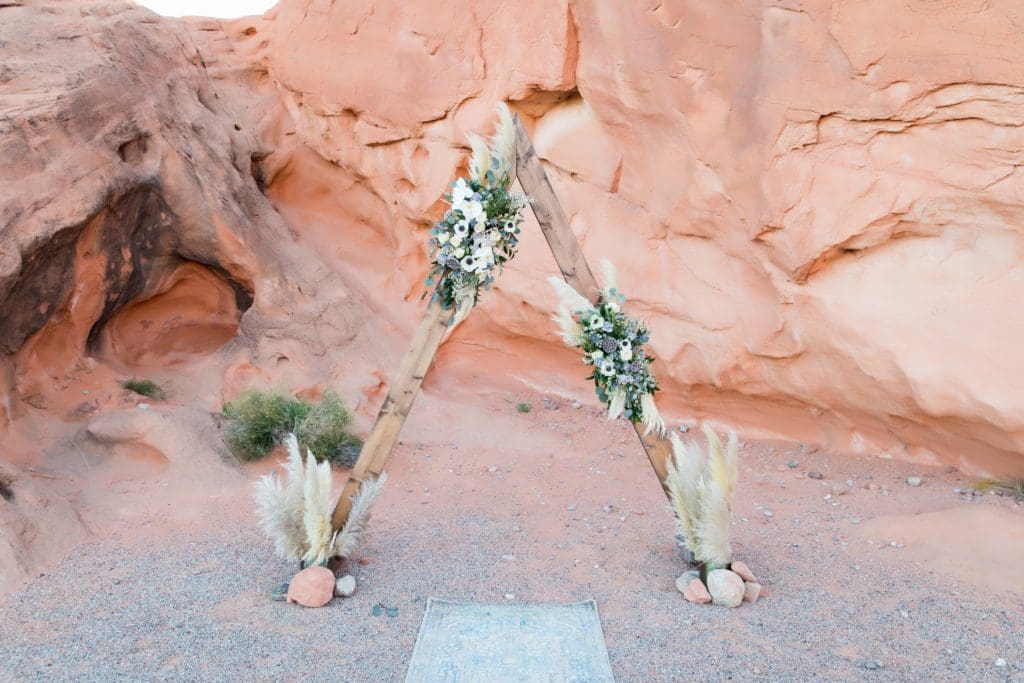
(296, 513)
(701, 486)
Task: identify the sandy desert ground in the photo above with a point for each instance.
(867, 578)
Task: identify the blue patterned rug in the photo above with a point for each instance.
(467, 643)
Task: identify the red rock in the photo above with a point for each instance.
(743, 570)
(365, 560)
(312, 587)
(697, 592)
(751, 591)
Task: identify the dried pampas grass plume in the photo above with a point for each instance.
(346, 542)
(497, 154)
(296, 513)
(569, 302)
(609, 276)
(701, 486)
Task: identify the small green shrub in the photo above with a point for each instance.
(256, 421)
(1013, 487)
(524, 407)
(143, 387)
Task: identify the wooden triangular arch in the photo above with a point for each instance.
(435, 322)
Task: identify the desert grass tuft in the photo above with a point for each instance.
(1011, 486)
(144, 387)
(524, 407)
(257, 421)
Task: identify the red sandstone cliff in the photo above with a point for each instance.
(816, 205)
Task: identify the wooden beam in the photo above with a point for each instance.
(569, 257)
(406, 384)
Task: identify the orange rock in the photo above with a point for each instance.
(751, 591)
(312, 587)
(697, 592)
(743, 570)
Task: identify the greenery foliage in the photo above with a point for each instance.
(524, 407)
(257, 421)
(143, 387)
(1013, 487)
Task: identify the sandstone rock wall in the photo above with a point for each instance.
(817, 204)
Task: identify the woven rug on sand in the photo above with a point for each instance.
(468, 643)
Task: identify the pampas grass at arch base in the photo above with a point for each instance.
(701, 486)
(296, 513)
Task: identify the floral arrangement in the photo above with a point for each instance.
(701, 487)
(612, 343)
(479, 233)
(296, 513)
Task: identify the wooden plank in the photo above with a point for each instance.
(404, 388)
(566, 250)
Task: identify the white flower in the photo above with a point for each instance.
(460, 252)
(485, 256)
(468, 264)
(443, 237)
(462, 228)
(596, 323)
(625, 344)
(457, 240)
(509, 226)
(608, 368)
(475, 209)
(626, 354)
(597, 355)
(613, 307)
(494, 236)
(461, 192)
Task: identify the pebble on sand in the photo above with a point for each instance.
(312, 587)
(751, 591)
(913, 481)
(345, 586)
(726, 588)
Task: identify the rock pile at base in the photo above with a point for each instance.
(726, 587)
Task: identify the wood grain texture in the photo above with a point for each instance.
(571, 262)
(404, 388)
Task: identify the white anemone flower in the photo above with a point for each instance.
(625, 344)
(608, 368)
(462, 228)
(509, 226)
(468, 264)
(613, 307)
(596, 323)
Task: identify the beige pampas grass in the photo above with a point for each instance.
(499, 153)
(296, 513)
(480, 159)
(652, 419)
(609, 276)
(701, 487)
(347, 540)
